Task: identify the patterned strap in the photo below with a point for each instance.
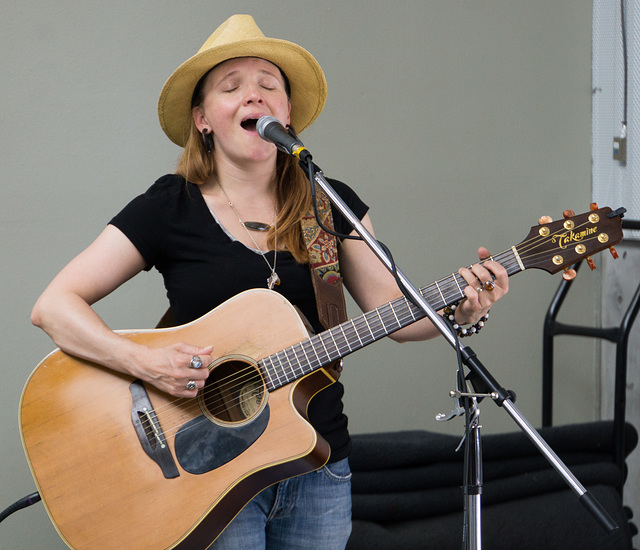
(323, 261)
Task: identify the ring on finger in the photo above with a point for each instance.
(479, 289)
(191, 385)
(196, 362)
(489, 285)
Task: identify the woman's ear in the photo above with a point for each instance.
(200, 120)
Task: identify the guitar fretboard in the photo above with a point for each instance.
(302, 358)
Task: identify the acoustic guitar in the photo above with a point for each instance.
(120, 464)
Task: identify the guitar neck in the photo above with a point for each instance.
(296, 361)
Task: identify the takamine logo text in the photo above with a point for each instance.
(566, 239)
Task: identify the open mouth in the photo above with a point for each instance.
(249, 124)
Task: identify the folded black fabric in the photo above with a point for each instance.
(449, 474)
(407, 490)
(390, 506)
(404, 449)
(555, 521)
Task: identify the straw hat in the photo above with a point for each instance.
(239, 36)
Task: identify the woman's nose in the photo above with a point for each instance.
(253, 95)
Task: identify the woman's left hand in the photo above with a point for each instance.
(488, 282)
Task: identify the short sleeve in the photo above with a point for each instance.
(144, 221)
(352, 200)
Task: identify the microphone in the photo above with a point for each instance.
(270, 129)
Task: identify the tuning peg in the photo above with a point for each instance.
(593, 206)
(613, 252)
(545, 219)
(569, 274)
(568, 213)
(590, 263)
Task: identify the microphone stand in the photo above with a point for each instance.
(479, 376)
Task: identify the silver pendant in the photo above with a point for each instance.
(273, 280)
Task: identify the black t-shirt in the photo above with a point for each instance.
(202, 266)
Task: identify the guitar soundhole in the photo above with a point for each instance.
(234, 392)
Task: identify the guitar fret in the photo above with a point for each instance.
(297, 356)
(317, 361)
(287, 364)
(356, 331)
(457, 284)
(338, 336)
(315, 351)
(280, 366)
(359, 328)
(267, 371)
(440, 291)
(373, 319)
(287, 367)
(345, 338)
(326, 351)
(432, 297)
(306, 357)
(394, 314)
(383, 326)
(334, 341)
(410, 310)
(369, 327)
(377, 310)
(401, 315)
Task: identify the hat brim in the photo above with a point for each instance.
(307, 81)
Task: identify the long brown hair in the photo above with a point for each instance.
(293, 195)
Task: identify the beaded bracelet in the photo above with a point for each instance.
(449, 313)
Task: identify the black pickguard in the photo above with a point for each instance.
(202, 445)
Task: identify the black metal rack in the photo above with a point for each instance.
(618, 335)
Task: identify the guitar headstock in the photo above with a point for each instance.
(556, 245)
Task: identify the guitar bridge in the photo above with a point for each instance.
(149, 431)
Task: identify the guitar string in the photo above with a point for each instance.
(251, 371)
(239, 380)
(445, 285)
(241, 377)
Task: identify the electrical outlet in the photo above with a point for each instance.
(620, 149)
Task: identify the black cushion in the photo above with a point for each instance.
(407, 490)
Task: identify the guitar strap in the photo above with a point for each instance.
(325, 269)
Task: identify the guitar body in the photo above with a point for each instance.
(101, 487)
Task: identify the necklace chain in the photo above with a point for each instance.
(273, 279)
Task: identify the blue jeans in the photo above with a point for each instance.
(308, 511)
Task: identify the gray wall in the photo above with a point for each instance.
(459, 122)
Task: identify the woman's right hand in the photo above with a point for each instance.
(169, 368)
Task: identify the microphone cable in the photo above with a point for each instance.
(310, 169)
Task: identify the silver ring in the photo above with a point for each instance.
(196, 362)
(479, 289)
(191, 385)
